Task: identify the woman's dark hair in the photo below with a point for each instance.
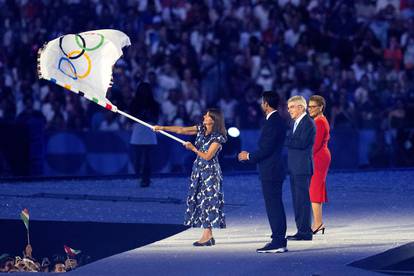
(319, 100)
(272, 98)
(218, 119)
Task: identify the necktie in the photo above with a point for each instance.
(294, 126)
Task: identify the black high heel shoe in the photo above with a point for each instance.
(321, 228)
(210, 242)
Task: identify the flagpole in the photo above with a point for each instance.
(24, 215)
(99, 97)
(150, 126)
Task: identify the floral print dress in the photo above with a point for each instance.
(205, 199)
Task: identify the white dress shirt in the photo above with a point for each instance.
(297, 121)
(268, 115)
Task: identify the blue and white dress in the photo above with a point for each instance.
(205, 201)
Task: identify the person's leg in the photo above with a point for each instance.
(295, 201)
(146, 164)
(207, 234)
(317, 215)
(272, 192)
(137, 153)
(206, 238)
(302, 205)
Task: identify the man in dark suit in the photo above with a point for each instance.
(299, 142)
(271, 170)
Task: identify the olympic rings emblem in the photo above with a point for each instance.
(76, 54)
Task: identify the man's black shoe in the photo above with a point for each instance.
(272, 248)
(298, 237)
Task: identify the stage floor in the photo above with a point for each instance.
(368, 213)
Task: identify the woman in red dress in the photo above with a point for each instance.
(321, 161)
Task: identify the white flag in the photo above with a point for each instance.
(83, 62)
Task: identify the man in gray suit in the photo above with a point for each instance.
(299, 142)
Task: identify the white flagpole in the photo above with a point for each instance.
(150, 126)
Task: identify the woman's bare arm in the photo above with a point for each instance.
(192, 130)
(208, 155)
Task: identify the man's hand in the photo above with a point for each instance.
(243, 156)
(70, 263)
(28, 251)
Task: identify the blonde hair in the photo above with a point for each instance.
(298, 99)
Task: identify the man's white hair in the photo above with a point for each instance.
(300, 100)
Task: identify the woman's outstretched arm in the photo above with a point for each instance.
(192, 130)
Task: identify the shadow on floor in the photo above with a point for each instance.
(396, 261)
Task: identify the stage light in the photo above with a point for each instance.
(233, 132)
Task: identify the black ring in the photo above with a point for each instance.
(74, 57)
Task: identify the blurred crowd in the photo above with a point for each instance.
(196, 54)
(358, 54)
(27, 263)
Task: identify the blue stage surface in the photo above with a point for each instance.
(367, 214)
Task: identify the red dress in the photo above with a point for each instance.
(321, 161)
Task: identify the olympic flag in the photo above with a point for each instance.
(83, 63)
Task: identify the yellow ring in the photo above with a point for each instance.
(88, 59)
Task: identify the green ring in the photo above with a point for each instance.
(90, 49)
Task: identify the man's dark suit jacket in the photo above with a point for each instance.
(299, 144)
(269, 155)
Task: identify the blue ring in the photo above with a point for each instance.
(71, 64)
